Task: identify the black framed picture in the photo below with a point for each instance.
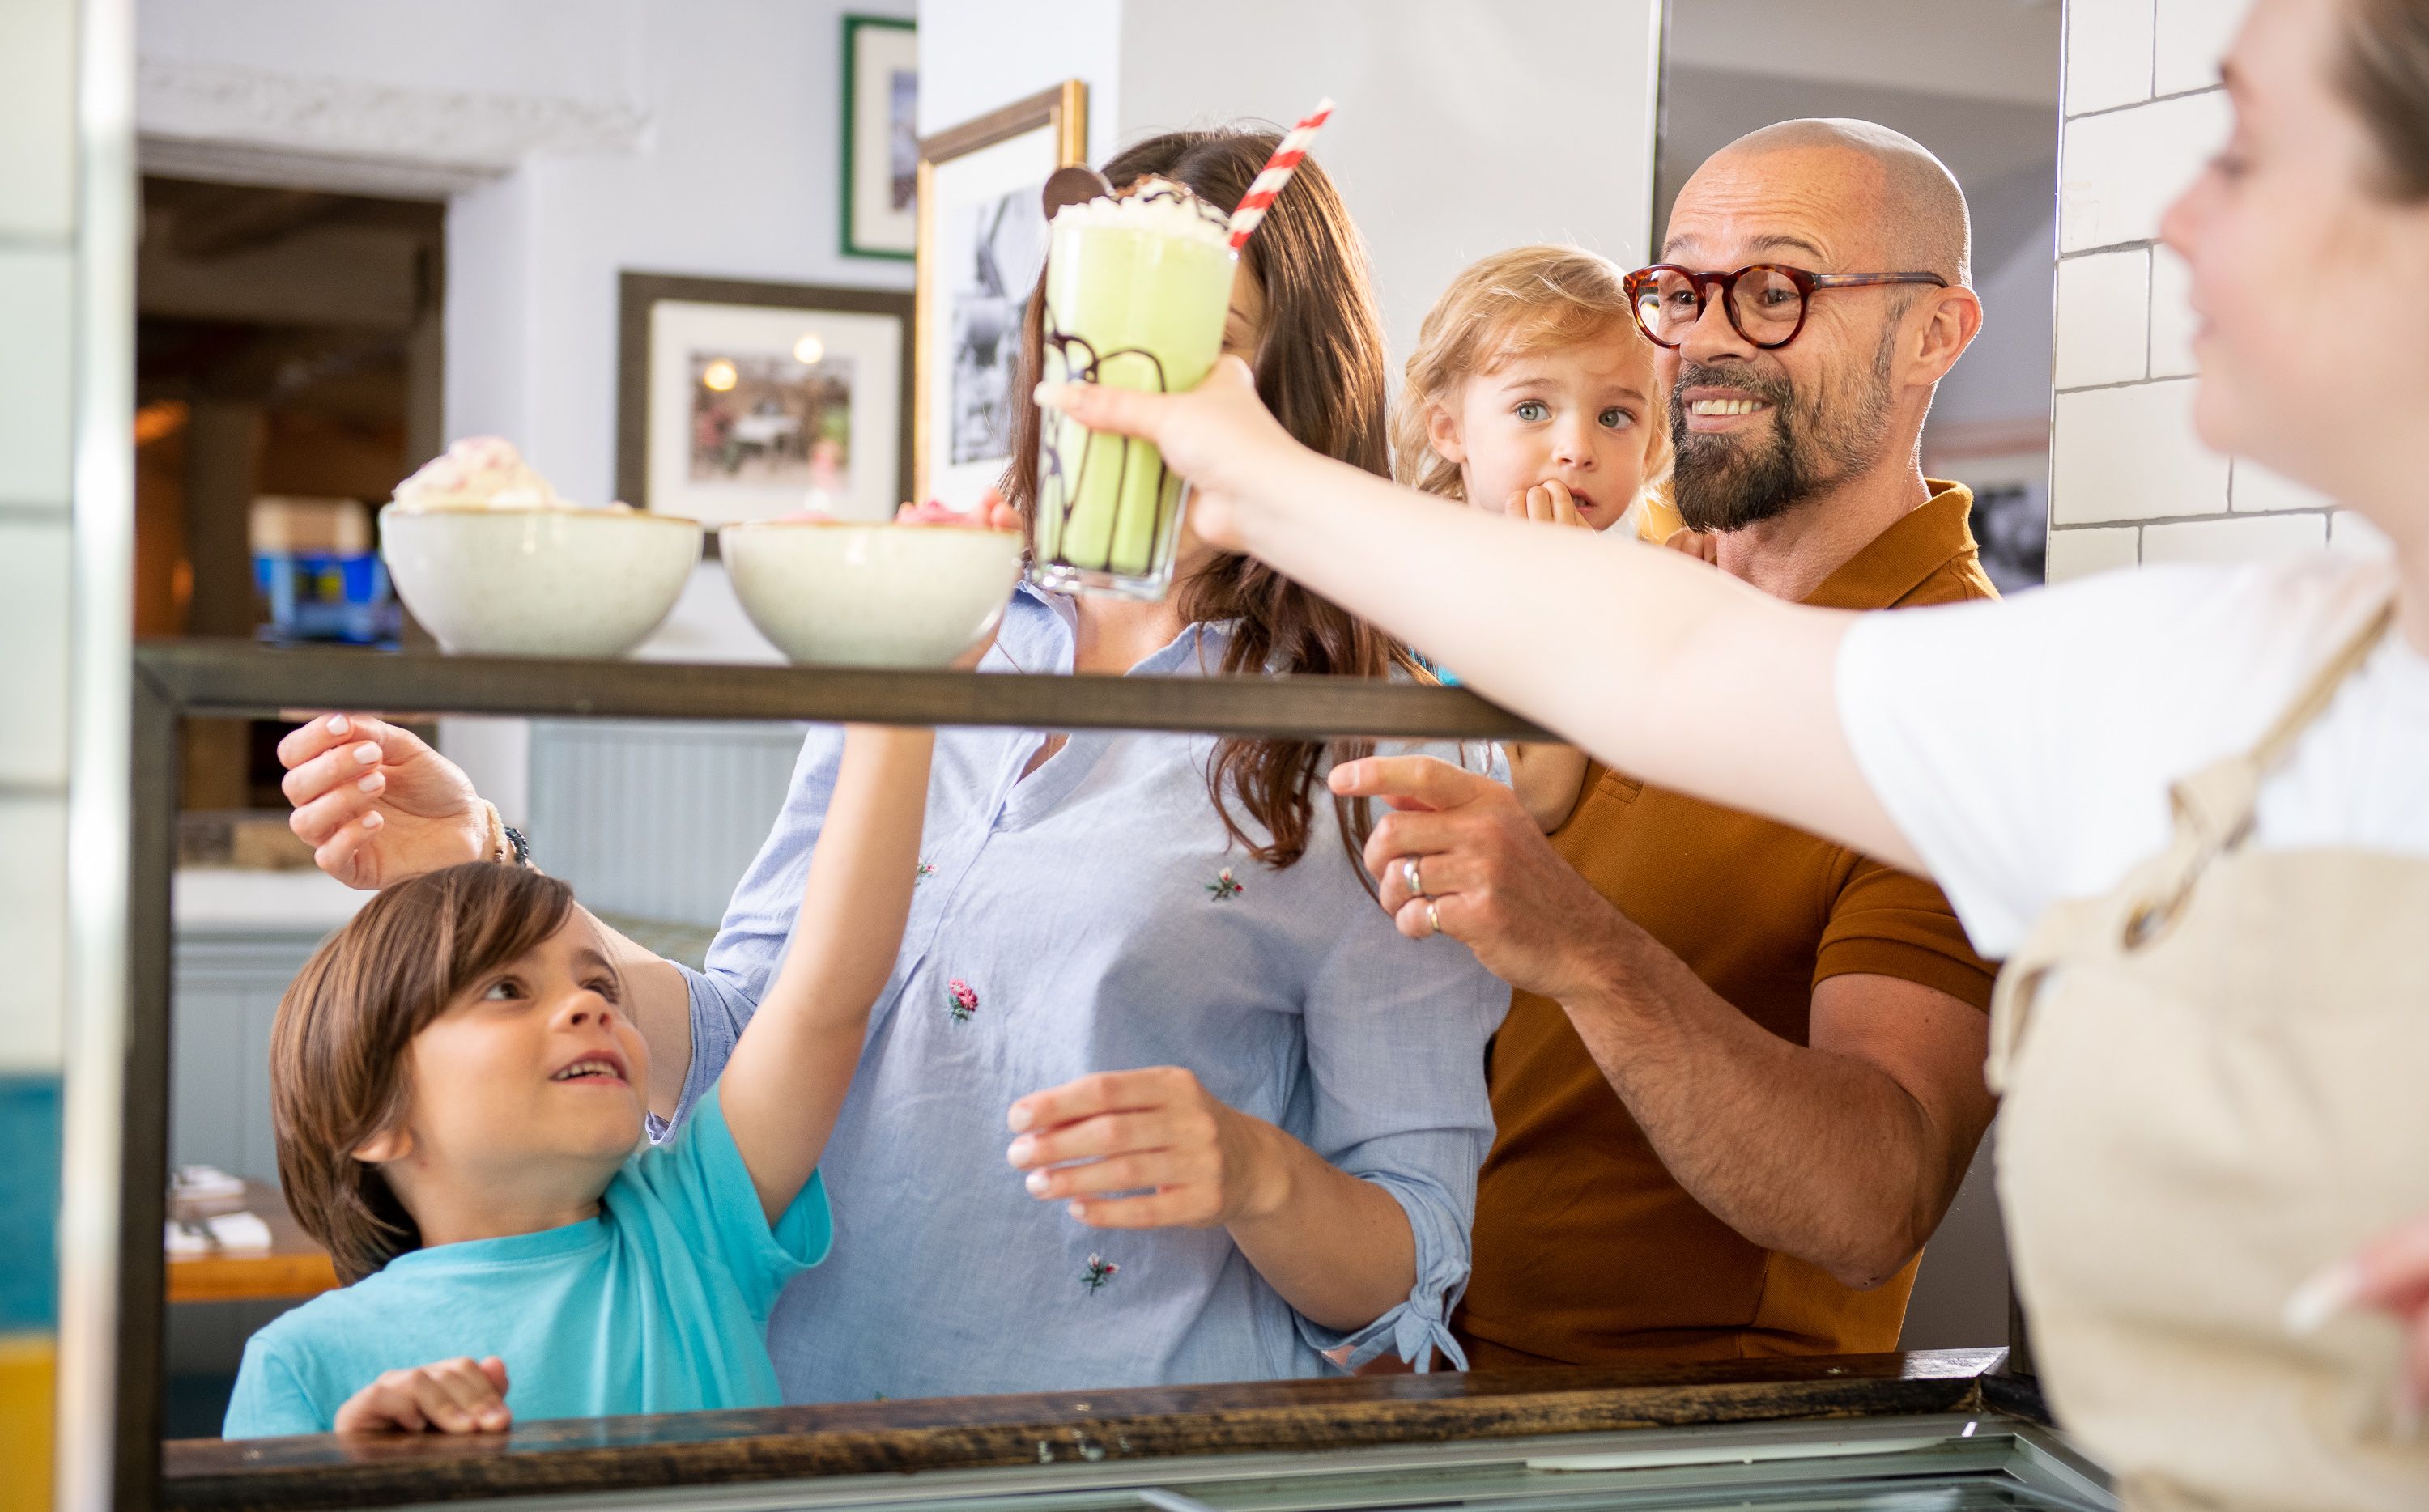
(881, 136)
(738, 400)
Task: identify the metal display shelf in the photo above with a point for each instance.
(203, 678)
(779, 1449)
(1872, 1431)
(175, 679)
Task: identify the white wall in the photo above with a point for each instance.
(2131, 483)
(976, 55)
(735, 171)
(1463, 127)
(66, 558)
(37, 278)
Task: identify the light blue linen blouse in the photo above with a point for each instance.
(1097, 918)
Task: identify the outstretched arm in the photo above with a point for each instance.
(1727, 693)
(378, 806)
(787, 1080)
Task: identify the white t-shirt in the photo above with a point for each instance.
(2026, 747)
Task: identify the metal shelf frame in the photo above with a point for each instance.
(173, 681)
(177, 680)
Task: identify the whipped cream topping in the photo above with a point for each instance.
(1158, 206)
(480, 472)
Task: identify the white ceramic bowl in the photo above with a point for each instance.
(862, 595)
(537, 582)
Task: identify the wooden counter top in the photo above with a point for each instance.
(624, 1454)
(295, 1265)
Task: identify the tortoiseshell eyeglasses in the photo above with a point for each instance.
(1766, 302)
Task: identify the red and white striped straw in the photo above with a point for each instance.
(1275, 173)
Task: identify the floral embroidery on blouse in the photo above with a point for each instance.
(961, 1000)
(1223, 886)
(1100, 1272)
(926, 869)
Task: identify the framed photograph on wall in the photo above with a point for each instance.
(745, 400)
(881, 136)
(981, 244)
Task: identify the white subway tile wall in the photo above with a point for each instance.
(2104, 318)
(34, 674)
(2108, 47)
(2258, 491)
(2130, 482)
(33, 929)
(38, 167)
(2350, 534)
(37, 121)
(2260, 538)
(2129, 453)
(2190, 37)
(2173, 322)
(2077, 553)
(35, 285)
(2121, 171)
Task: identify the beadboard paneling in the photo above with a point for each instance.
(655, 820)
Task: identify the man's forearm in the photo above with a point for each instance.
(1823, 1156)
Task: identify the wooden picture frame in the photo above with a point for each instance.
(999, 160)
(645, 382)
(879, 141)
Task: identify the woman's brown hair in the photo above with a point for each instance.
(1321, 369)
(338, 1069)
(1540, 296)
(2384, 72)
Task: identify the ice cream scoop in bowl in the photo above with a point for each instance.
(492, 563)
(917, 593)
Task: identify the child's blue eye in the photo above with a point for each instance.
(1533, 411)
(1617, 419)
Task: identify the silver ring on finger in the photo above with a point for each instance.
(1408, 874)
(1433, 918)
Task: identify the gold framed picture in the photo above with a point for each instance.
(982, 243)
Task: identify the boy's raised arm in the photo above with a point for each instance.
(785, 1081)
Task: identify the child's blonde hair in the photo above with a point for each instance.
(1525, 297)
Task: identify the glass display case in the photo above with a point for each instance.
(1947, 1430)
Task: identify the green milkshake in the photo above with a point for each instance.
(1136, 292)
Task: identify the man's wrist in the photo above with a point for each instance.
(1601, 970)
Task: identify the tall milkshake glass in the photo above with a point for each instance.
(1137, 290)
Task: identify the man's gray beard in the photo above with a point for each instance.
(1722, 483)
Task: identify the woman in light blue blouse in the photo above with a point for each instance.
(1156, 1093)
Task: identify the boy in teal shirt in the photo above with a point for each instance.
(456, 1090)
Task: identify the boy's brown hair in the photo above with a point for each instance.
(1548, 296)
(338, 1071)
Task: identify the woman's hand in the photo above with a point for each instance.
(452, 1396)
(1546, 503)
(1218, 435)
(376, 804)
(2390, 1273)
(1191, 1162)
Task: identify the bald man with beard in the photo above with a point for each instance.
(1741, 1074)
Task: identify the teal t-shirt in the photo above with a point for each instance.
(658, 1304)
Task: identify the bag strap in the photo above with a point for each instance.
(2213, 808)
(2321, 690)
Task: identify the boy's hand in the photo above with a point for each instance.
(1546, 503)
(452, 1396)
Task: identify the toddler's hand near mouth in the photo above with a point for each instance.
(1546, 503)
